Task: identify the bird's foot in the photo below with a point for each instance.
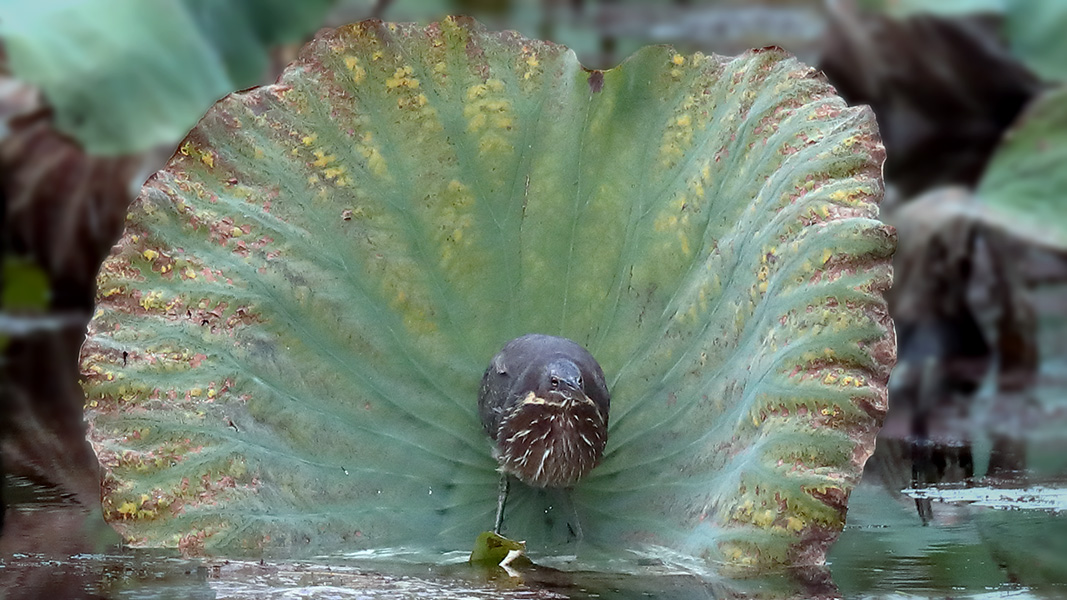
(501, 500)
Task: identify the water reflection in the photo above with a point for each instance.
(965, 550)
(53, 547)
(46, 555)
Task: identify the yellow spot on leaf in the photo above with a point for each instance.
(154, 300)
(322, 159)
(678, 59)
(476, 122)
(763, 518)
(476, 91)
(150, 254)
(358, 72)
(402, 78)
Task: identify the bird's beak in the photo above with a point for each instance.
(573, 391)
(571, 385)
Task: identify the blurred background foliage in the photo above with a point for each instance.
(971, 102)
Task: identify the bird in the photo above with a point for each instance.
(544, 403)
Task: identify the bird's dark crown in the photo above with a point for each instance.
(561, 375)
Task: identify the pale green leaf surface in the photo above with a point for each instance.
(1034, 29)
(308, 294)
(1023, 186)
(126, 75)
(948, 8)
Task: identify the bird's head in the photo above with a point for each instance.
(561, 380)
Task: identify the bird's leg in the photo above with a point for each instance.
(575, 529)
(502, 498)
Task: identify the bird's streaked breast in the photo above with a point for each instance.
(551, 441)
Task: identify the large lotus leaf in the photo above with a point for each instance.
(124, 75)
(291, 332)
(1023, 187)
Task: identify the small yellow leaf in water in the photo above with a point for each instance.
(490, 549)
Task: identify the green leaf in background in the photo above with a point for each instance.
(1035, 32)
(126, 75)
(1033, 28)
(905, 8)
(23, 285)
(291, 332)
(1023, 186)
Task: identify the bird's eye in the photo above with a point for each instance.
(555, 383)
(579, 381)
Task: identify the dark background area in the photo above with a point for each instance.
(980, 301)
